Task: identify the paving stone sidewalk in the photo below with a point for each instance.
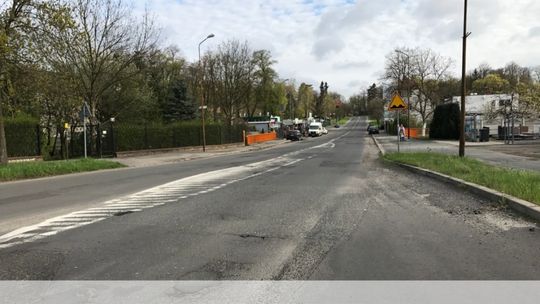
(162, 157)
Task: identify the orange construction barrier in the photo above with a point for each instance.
(415, 132)
(255, 138)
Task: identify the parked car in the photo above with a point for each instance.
(324, 131)
(294, 135)
(373, 130)
(315, 129)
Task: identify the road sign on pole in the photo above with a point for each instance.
(397, 103)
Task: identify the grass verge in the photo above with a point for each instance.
(33, 169)
(519, 183)
(343, 120)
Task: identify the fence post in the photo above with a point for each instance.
(145, 135)
(38, 140)
(113, 144)
(99, 149)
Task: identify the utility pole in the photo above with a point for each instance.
(463, 84)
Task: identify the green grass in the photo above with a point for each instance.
(343, 121)
(519, 183)
(33, 169)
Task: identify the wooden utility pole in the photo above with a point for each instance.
(463, 85)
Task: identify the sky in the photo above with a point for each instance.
(344, 42)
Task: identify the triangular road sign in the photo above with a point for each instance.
(397, 103)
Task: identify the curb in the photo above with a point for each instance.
(381, 149)
(521, 206)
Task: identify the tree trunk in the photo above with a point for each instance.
(3, 146)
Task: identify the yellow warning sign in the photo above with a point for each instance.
(397, 103)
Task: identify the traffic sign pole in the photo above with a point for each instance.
(397, 104)
(84, 124)
(398, 131)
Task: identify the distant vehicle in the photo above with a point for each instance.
(373, 130)
(324, 131)
(294, 135)
(315, 129)
(336, 126)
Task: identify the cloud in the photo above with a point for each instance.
(326, 46)
(345, 42)
(534, 32)
(351, 65)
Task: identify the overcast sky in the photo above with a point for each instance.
(345, 42)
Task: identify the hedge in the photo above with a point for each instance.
(143, 136)
(22, 136)
(445, 123)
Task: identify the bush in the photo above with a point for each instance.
(22, 136)
(445, 123)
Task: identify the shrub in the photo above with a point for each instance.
(445, 123)
(22, 136)
(142, 136)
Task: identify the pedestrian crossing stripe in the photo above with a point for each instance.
(397, 103)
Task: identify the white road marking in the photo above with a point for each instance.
(167, 193)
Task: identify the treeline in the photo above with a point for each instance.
(422, 76)
(56, 55)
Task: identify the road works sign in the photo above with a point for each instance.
(397, 103)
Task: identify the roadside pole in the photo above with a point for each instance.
(84, 127)
(397, 104)
(398, 131)
(85, 112)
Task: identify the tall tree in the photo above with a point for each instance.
(420, 71)
(18, 21)
(103, 47)
(264, 76)
(231, 77)
(305, 98)
(491, 84)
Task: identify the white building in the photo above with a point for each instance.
(489, 108)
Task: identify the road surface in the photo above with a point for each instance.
(324, 208)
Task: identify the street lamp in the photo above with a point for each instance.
(202, 94)
(408, 94)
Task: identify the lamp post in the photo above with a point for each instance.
(202, 94)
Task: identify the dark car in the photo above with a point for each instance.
(373, 130)
(294, 135)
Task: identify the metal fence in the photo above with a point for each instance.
(106, 139)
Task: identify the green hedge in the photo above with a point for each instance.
(143, 136)
(22, 137)
(445, 123)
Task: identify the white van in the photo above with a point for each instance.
(315, 129)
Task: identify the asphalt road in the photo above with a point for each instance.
(325, 208)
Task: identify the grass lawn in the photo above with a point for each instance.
(343, 120)
(33, 169)
(519, 183)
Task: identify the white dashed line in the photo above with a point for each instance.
(156, 196)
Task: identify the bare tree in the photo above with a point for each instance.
(420, 72)
(103, 47)
(231, 78)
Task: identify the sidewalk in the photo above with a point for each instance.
(521, 156)
(146, 158)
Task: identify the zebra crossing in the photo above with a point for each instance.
(172, 192)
